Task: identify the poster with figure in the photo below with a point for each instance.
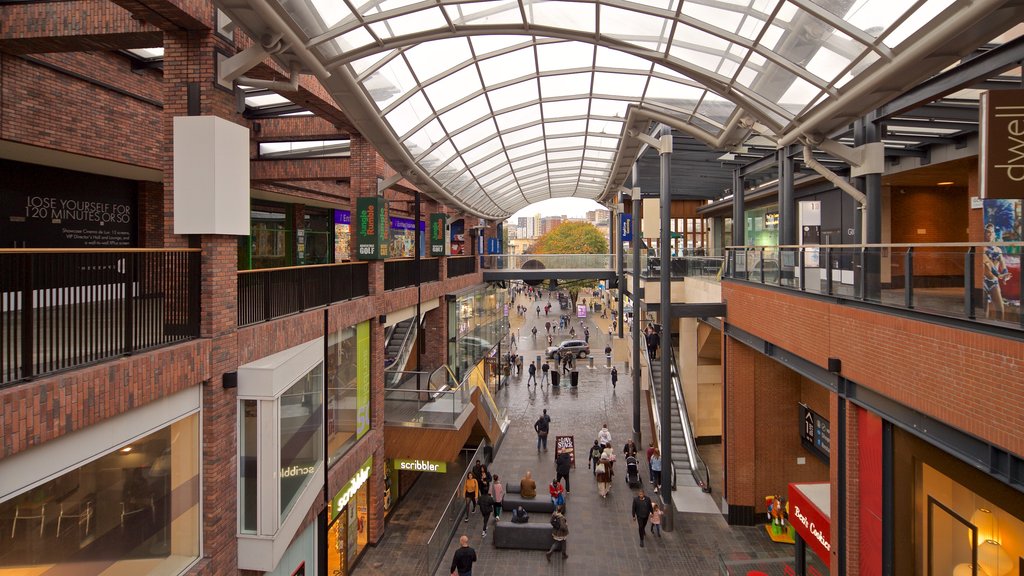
(1001, 271)
(342, 235)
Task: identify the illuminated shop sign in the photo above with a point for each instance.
(349, 489)
(421, 466)
(294, 471)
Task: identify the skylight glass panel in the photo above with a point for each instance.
(599, 126)
(565, 108)
(673, 94)
(519, 93)
(593, 154)
(716, 108)
(490, 164)
(623, 85)
(361, 65)
(572, 15)
(351, 40)
(425, 137)
(519, 136)
(642, 30)
(567, 142)
(917, 19)
(725, 19)
(526, 150)
(751, 27)
(602, 142)
(872, 16)
(465, 113)
(330, 12)
(430, 59)
(565, 85)
(696, 47)
(484, 13)
(378, 6)
(480, 151)
(564, 56)
(495, 183)
(597, 164)
(408, 114)
(510, 66)
(265, 100)
(608, 58)
(445, 154)
(567, 127)
(407, 24)
(453, 87)
(389, 82)
(485, 44)
(609, 108)
(471, 136)
(517, 118)
(827, 64)
(566, 154)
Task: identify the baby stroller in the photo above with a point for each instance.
(633, 472)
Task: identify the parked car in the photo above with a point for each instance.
(578, 347)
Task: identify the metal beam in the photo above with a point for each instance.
(698, 310)
(548, 274)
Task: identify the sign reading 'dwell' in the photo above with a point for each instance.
(1001, 115)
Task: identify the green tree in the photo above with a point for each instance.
(572, 238)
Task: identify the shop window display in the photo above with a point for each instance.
(134, 510)
(348, 389)
(476, 319)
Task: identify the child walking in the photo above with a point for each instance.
(656, 520)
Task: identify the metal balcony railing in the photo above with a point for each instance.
(549, 261)
(425, 399)
(956, 280)
(402, 273)
(275, 292)
(63, 308)
(461, 265)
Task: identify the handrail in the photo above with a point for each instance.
(302, 267)
(434, 559)
(92, 250)
(684, 417)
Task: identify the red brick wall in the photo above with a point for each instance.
(941, 213)
(952, 375)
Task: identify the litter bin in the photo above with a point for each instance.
(574, 378)
(554, 377)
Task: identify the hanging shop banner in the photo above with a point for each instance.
(1001, 124)
(438, 467)
(403, 238)
(493, 246)
(809, 521)
(1001, 265)
(337, 504)
(626, 223)
(814, 433)
(458, 238)
(566, 445)
(342, 235)
(362, 378)
(437, 226)
(372, 228)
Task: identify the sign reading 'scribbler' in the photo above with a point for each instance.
(421, 466)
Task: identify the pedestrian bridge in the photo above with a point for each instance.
(537, 267)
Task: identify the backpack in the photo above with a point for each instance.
(520, 515)
(595, 453)
(558, 522)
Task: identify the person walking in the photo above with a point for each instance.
(462, 563)
(603, 474)
(629, 449)
(486, 505)
(519, 366)
(498, 495)
(656, 470)
(538, 311)
(595, 457)
(544, 369)
(547, 327)
(559, 533)
(650, 452)
(472, 490)
(563, 462)
(542, 426)
(641, 513)
(586, 335)
(604, 436)
(531, 374)
(656, 519)
(483, 478)
(615, 376)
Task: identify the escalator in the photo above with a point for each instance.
(398, 344)
(687, 467)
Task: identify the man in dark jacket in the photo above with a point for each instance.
(542, 426)
(562, 464)
(642, 509)
(486, 504)
(462, 563)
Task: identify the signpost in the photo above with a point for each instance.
(814, 433)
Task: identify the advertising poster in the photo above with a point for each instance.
(627, 227)
(67, 219)
(458, 236)
(1001, 264)
(403, 238)
(373, 228)
(362, 378)
(436, 237)
(566, 444)
(342, 235)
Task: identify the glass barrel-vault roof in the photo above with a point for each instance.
(496, 104)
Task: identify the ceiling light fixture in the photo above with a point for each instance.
(126, 449)
(950, 183)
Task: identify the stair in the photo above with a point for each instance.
(680, 455)
(398, 345)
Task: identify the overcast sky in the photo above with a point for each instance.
(572, 207)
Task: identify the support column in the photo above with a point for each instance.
(665, 316)
(618, 245)
(738, 225)
(634, 244)
(787, 203)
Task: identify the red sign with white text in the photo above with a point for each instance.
(810, 523)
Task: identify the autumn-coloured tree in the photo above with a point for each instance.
(572, 238)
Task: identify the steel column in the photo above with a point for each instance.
(619, 265)
(635, 245)
(738, 228)
(665, 316)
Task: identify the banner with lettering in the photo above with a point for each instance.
(566, 444)
(373, 228)
(626, 223)
(362, 378)
(436, 236)
(809, 521)
(1001, 158)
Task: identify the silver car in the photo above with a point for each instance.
(580, 348)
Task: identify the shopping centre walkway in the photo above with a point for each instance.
(602, 538)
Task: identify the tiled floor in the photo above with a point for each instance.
(602, 538)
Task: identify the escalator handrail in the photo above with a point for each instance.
(691, 443)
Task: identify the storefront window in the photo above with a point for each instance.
(134, 510)
(477, 321)
(347, 533)
(318, 230)
(248, 455)
(301, 421)
(762, 226)
(348, 389)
